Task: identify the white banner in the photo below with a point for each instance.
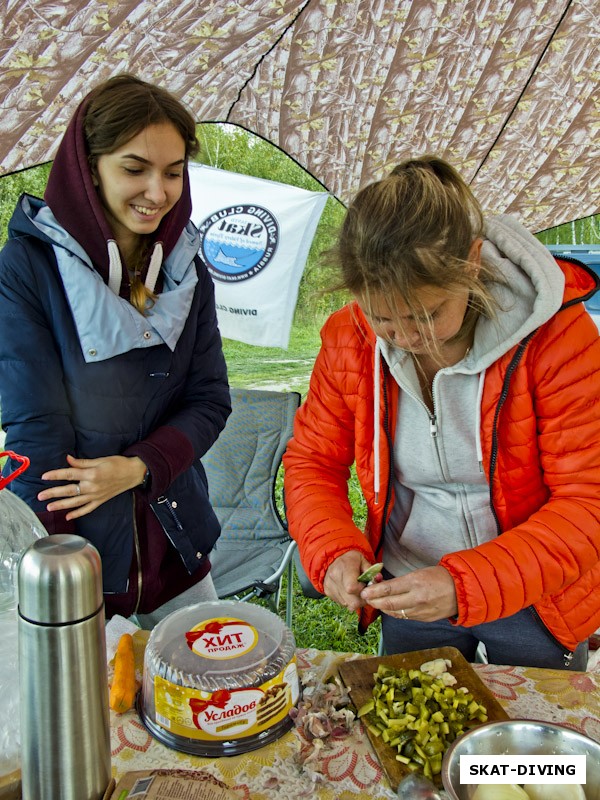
(256, 235)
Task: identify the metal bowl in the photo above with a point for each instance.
(519, 737)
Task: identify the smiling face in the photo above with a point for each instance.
(140, 182)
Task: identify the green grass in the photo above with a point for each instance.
(316, 623)
(253, 367)
(327, 626)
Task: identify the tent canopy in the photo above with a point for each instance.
(506, 90)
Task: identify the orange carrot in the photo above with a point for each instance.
(123, 688)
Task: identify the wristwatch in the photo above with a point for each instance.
(146, 482)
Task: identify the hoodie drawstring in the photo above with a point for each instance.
(478, 444)
(154, 267)
(376, 431)
(115, 268)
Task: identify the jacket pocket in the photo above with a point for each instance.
(540, 623)
(188, 519)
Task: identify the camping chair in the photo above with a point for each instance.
(254, 549)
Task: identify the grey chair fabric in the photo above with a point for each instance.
(307, 586)
(254, 550)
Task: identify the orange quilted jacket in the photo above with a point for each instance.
(540, 430)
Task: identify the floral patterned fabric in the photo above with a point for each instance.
(507, 91)
(346, 767)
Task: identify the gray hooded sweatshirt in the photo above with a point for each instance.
(442, 500)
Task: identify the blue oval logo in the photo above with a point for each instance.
(238, 242)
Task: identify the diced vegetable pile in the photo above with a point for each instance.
(419, 715)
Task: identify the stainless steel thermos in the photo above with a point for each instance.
(65, 736)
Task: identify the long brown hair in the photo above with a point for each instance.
(117, 111)
(414, 228)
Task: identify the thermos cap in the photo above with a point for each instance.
(59, 580)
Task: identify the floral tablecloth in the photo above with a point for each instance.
(346, 768)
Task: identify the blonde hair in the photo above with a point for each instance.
(140, 296)
(414, 228)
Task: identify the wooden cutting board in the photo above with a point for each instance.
(358, 677)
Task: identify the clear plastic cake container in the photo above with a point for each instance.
(220, 678)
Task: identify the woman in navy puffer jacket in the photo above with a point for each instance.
(112, 375)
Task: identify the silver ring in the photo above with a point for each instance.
(403, 613)
(77, 489)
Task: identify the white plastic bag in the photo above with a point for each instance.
(9, 691)
(19, 528)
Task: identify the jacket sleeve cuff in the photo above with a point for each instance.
(55, 522)
(167, 453)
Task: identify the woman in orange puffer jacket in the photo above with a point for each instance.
(463, 383)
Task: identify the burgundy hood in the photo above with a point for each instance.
(74, 201)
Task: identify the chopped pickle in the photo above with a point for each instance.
(419, 716)
(364, 709)
(369, 574)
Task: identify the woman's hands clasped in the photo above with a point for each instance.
(425, 595)
(91, 482)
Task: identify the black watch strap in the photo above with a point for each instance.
(146, 482)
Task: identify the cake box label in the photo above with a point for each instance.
(226, 713)
(222, 638)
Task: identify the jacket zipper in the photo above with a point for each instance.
(433, 432)
(171, 506)
(503, 395)
(567, 654)
(138, 556)
(433, 429)
(388, 493)
(136, 541)
(390, 444)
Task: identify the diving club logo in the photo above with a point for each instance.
(238, 242)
